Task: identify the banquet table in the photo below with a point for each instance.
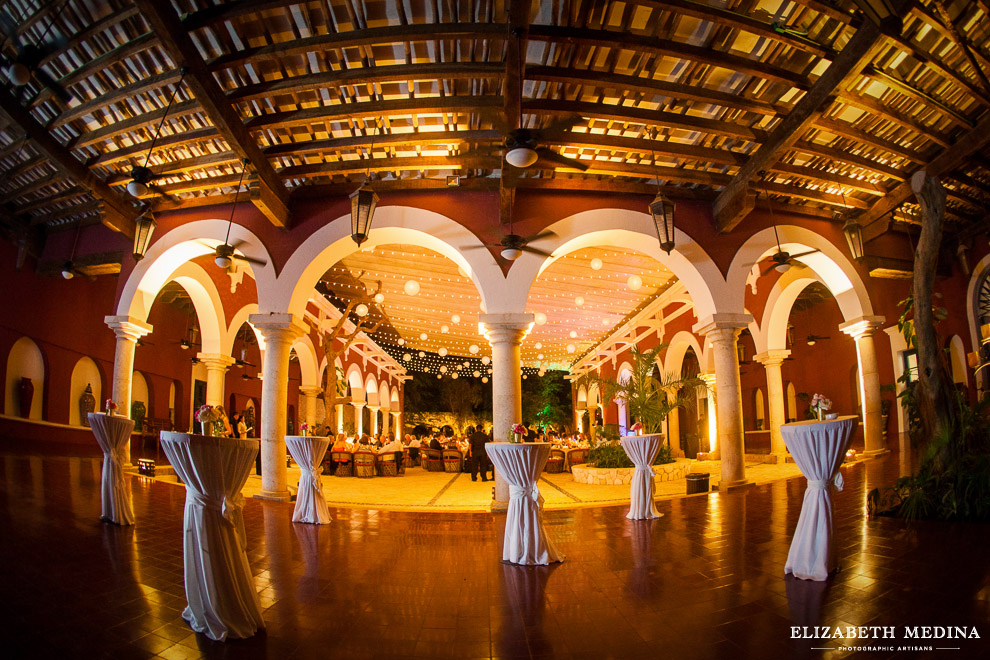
(113, 432)
(567, 456)
(222, 601)
(641, 450)
(520, 464)
(818, 448)
(307, 451)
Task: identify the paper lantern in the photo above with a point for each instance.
(407, 357)
(442, 352)
(486, 360)
(474, 349)
(573, 334)
(485, 379)
(422, 336)
(379, 298)
(443, 369)
(596, 264)
(579, 301)
(540, 318)
(411, 287)
(538, 345)
(361, 310)
(571, 348)
(477, 373)
(422, 354)
(455, 319)
(401, 342)
(635, 282)
(444, 329)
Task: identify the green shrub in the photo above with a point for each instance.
(609, 455)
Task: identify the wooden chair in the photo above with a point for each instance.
(387, 466)
(555, 463)
(345, 463)
(364, 464)
(432, 459)
(576, 457)
(453, 460)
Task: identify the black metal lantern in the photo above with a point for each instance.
(854, 238)
(662, 210)
(363, 203)
(144, 228)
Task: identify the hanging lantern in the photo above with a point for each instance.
(363, 203)
(144, 228)
(662, 210)
(854, 238)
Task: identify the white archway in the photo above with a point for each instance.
(239, 319)
(24, 360)
(306, 353)
(677, 348)
(393, 224)
(957, 360)
(630, 230)
(371, 390)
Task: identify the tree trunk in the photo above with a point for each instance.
(934, 393)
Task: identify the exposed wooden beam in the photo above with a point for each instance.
(886, 112)
(875, 220)
(844, 68)
(161, 17)
(391, 139)
(128, 126)
(847, 130)
(120, 214)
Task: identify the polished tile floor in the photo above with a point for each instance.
(704, 581)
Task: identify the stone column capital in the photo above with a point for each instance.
(359, 404)
(506, 328)
(216, 361)
(310, 391)
(373, 408)
(709, 378)
(727, 321)
(128, 327)
(279, 327)
(861, 327)
(772, 358)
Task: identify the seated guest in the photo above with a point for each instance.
(340, 444)
(435, 443)
(414, 444)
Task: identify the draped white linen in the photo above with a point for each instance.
(307, 451)
(818, 449)
(520, 464)
(222, 601)
(113, 432)
(641, 450)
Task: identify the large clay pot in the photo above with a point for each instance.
(87, 404)
(25, 394)
(138, 412)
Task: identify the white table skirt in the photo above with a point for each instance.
(520, 464)
(219, 586)
(818, 449)
(641, 450)
(307, 451)
(113, 432)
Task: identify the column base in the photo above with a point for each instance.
(274, 495)
(779, 459)
(709, 455)
(734, 485)
(875, 453)
(499, 507)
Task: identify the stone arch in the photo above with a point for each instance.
(25, 360)
(829, 265)
(677, 348)
(85, 372)
(384, 396)
(239, 319)
(625, 369)
(582, 397)
(306, 353)
(371, 390)
(393, 224)
(957, 360)
(140, 391)
(627, 229)
(356, 382)
(972, 294)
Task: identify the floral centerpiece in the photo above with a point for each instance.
(637, 428)
(207, 415)
(820, 405)
(111, 406)
(516, 433)
(303, 428)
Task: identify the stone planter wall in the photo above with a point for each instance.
(589, 474)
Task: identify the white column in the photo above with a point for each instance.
(307, 402)
(722, 330)
(396, 424)
(861, 330)
(374, 419)
(712, 416)
(674, 432)
(216, 376)
(772, 360)
(385, 419)
(128, 330)
(358, 417)
(279, 332)
(340, 417)
(505, 333)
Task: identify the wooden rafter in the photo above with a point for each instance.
(273, 197)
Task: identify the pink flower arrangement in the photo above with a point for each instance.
(304, 427)
(206, 414)
(518, 428)
(636, 428)
(111, 406)
(820, 404)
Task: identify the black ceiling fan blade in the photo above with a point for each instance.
(549, 156)
(561, 125)
(541, 235)
(798, 256)
(250, 260)
(533, 250)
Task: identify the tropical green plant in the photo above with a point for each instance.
(648, 399)
(609, 455)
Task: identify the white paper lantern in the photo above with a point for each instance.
(426, 369)
(401, 342)
(443, 369)
(573, 334)
(525, 376)
(486, 360)
(361, 310)
(579, 301)
(411, 287)
(455, 319)
(474, 349)
(439, 376)
(444, 329)
(485, 379)
(635, 282)
(422, 354)
(407, 357)
(538, 345)
(379, 298)
(541, 373)
(606, 322)
(571, 348)
(540, 318)
(596, 264)
(442, 352)
(466, 363)
(422, 336)
(454, 375)
(477, 373)
(540, 356)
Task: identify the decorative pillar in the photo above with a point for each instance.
(862, 330)
(216, 376)
(722, 330)
(128, 330)
(385, 420)
(279, 332)
(772, 360)
(374, 419)
(674, 433)
(358, 418)
(505, 333)
(396, 424)
(712, 415)
(340, 417)
(307, 403)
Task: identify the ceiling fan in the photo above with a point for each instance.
(224, 252)
(782, 261)
(242, 362)
(814, 339)
(27, 62)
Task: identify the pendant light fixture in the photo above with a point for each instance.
(144, 227)
(661, 208)
(68, 269)
(140, 174)
(363, 202)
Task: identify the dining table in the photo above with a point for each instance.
(220, 591)
(308, 451)
(520, 464)
(641, 450)
(819, 448)
(113, 433)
